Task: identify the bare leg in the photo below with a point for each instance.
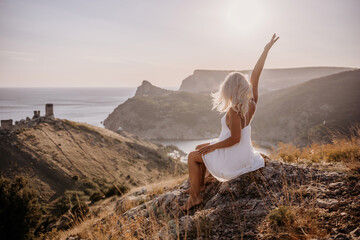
(203, 168)
(194, 162)
(202, 178)
(203, 171)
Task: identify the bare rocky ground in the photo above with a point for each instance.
(239, 209)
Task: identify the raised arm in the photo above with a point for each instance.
(255, 75)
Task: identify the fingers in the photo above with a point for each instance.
(202, 151)
(205, 150)
(273, 37)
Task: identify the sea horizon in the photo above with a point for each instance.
(85, 105)
(87, 87)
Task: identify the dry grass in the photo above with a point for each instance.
(293, 214)
(135, 227)
(107, 225)
(160, 187)
(294, 222)
(342, 149)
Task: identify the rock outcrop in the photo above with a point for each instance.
(177, 115)
(239, 209)
(147, 89)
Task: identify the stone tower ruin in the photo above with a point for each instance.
(49, 110)
(6, 124)
(36, 114)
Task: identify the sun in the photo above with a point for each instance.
(244, 17)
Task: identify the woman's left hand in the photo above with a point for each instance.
(271, 43)
(206, 149)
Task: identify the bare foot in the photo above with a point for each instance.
(202, 188)
(191, 203)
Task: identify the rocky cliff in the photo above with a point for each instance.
(177, 115)
(147, 89)
(282, 201)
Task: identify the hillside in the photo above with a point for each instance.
(270, 79)
(177, 115)
(305, 113)
(59, 155)
(284, 200)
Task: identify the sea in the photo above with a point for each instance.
(88, 105)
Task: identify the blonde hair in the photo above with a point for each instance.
(234, 92)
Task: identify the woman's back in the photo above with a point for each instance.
(227, 163)
(248, 116)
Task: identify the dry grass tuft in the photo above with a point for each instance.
(133, 227)
(294, 213)
(294, 222)
(342, 149)
(109, 225)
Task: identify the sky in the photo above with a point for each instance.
(103, 43)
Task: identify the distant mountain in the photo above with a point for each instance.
(270, 79)
(59, 155)
(308, 111)
(295, 113)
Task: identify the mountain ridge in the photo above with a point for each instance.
(186, 115)
(272, 78)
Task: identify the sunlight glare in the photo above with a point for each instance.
(244, 17)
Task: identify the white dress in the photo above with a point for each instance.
(228, 163)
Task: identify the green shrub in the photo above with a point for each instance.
(19, 209)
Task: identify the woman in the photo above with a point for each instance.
(232, 154)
